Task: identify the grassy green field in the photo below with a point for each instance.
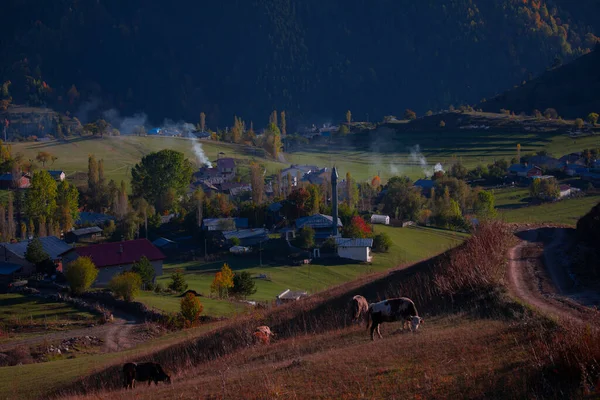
(387, 154)
(409, 245)
(29, 316)
(562, 212)
(171, 303)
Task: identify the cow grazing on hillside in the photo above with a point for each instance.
(392, 310)
(263, 334)
(359, 307)
(151, 372)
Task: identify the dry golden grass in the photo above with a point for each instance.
(471, 345)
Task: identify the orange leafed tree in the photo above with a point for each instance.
(376, 182)
(223, 282)
(191, 308)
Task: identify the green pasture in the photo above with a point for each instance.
(566, 211)
(171, 303)
(409, 245)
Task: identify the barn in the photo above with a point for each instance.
(355, 249)
(380, 219)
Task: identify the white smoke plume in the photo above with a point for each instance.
(417, 157)
(186, 129)
(125, 125)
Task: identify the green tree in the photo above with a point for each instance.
(243, 284)
(534, 188)
(382, 242)
(404, 198)
(283, 123)
(484, 205)
(35, 253)
(343, 130)
(44, 157)
(81, 274)
(579, 123)
(40, 200)
(306, 238)
(550, 113)
(191, 308)
(145, 270)
(257, 181)
(235, 241)
(67, 202)
(459, 171)
(410, 114)
(593, 118)
(126, 285)
(160, 172)
(178, 283)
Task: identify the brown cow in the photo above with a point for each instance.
(151, 372)
(264, 334)
(392, 310)
(359, 307)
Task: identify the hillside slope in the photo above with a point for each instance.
(249, 57)
(572, 89)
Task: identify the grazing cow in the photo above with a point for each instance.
(359, 307)
(264, 334)
(392, 310)
(151, 372)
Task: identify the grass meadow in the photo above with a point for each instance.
(387, 153)
(409, 245)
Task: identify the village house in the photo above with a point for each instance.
(248, 237)
(575, 170)
(8, 273)
(226, 167)
(524, 171)
(224, 224)
(317, 177)
(355, 249)
(565, 190)
(546, 162)
(14, 253)
(7, 182)
(321, 224)
(296, 173)
(235, 188)
(165, 244)
(58, 176)
(114, 258)
(83, 235)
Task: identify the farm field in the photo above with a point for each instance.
(565, 212)
(171, 303)
(35, 316)
(409, 245)
(387, 154)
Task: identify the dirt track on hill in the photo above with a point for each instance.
(537, 277)
(117, 335)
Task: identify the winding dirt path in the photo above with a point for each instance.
(535, 277)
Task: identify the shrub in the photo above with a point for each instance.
(235, 241)
(578, 123)
(178, 283)
(81, 274)
(158, 288)
(442, 124)
(382, 242)
(145, 270)
(410, 115)
(126, 285)
(243, 284)
(593, 118)
(306, 239)
(191, 308)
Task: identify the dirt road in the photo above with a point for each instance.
(537, 276)
(116, 335)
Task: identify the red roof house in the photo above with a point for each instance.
(114, 258)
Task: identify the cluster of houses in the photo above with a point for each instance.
(110, 258)
(219, 179)
(23, 180)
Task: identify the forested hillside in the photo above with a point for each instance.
(312, 58)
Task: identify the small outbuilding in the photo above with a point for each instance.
(288, 296)
(380, 219)
(83, 235)
(355, 249)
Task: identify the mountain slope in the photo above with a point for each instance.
(309, 57)
(572, 89)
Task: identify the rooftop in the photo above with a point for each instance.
(226, 163)
(86, 231)
(245, 233)
(52, 245)
(119, 253)
(292, 295)
(348, 242)
(317, 221)
(425, 183)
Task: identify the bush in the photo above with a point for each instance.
(126, 285)
(382, 242)
(442, 124)
(145, 270)
(191, 308)
(235, 241)
(306, 239)
(178, 283)
(243, 284)
(159, 287)
(81, 274)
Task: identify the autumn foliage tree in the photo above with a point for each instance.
(191, 308)
(358, 228)
(376, 182)
(223, 282)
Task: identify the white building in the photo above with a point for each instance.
(380, 219)
(355, 249)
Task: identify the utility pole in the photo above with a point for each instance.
(205, 253)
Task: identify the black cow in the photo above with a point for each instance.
(151, 372)
(391, 310)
